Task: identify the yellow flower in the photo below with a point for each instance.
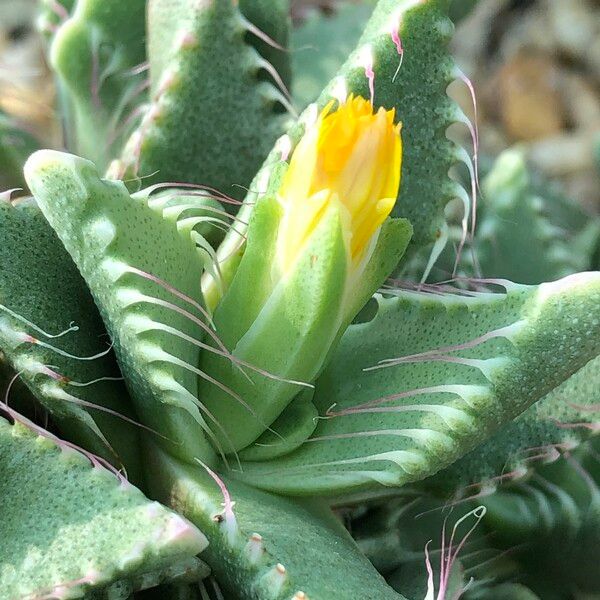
(350, 157)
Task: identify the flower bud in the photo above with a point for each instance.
(315, 253)
(351, 159)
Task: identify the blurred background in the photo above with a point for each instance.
(535, 65)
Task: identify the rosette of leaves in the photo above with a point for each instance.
(125, 285)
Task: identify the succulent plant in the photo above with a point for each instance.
(222, 373)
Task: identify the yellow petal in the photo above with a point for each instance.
(352, 156)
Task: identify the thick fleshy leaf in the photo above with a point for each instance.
(68, 526)
(449, 371)
(557, 423)
(264, 547)
(52, 335)
(321, 45)
(16, 144)
(139, 258)
(402, 535)
(505, 591)
(459, 9)
(51, 14)
(552, 525)
(528, 231)
(218, 95)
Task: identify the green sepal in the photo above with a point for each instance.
(392, 242)
(237, 243)
(288, 432)
(294, 319)
(253, 281)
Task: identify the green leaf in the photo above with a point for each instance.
(67, 527)
(528, 231)
(505, 591)
(52, 13)
(287, 432)
(264, 547)
(411, 580)
(166, 583)
(139, 258)
(94, 54)
(413, 415)
(42, 295)
(551, 523)
(215, 109)
(403, 534)
(459, 9)
(272, 17)
(559, 422)
(20, 397)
